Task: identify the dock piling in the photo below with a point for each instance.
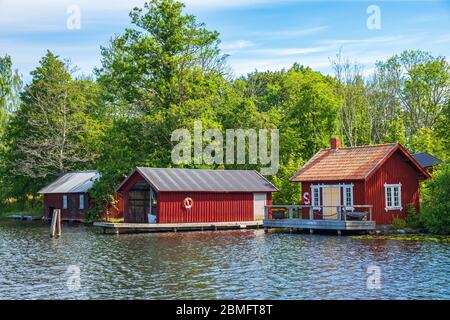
(55, 227)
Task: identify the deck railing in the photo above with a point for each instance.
(356, 212)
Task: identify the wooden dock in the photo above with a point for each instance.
(24, 217)
(118, 228)
(292, 217)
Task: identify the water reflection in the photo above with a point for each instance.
(246, 264)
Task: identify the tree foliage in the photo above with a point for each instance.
(166, 72)
(435, 214)
(54, 130)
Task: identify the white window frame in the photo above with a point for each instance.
(390, 189)
(313, 197)
(64, 201)
(81, 204)
(346, 187)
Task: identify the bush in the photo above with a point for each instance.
(436, 201)
(413, 218)
(398, 223)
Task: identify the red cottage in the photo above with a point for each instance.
(70, 193)
(385, 176)
(156, 195)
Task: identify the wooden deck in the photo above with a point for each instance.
(345, 221)
(24, 217)
(320, 224)
(175, 227)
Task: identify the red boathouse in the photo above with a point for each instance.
(159, 195)
(384, 176)
(70, 193)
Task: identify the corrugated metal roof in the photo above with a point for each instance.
(425, 159)
(72, 182)
(201, 180)
(354, 163)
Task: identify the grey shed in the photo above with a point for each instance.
(72, 182)
(203, 180)
(425, 159)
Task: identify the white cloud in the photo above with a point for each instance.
(373, 40)
(235, 45)
(290, 51)
(443, 38)
(292, 32)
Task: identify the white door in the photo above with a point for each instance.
(259, 201)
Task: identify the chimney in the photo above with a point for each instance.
(335, 143)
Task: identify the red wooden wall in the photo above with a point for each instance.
(55, 200)
(358, 194)
(396, 169)
(207, 207)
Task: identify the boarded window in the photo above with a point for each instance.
(64, 204)
(81, 201)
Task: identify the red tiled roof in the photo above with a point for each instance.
(354, 163)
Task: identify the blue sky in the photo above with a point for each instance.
(257, 34)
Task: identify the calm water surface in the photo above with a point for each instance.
(245, 264)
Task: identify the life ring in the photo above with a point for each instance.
(306, 198)
(188, 202)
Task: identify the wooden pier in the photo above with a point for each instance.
(118, 228)
(342, 218)
(24, 217)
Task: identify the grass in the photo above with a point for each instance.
(406, 237)
(398, 223)
(10, 211)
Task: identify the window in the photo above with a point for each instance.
(81, 201)
(348, 196)
(315, 196)
(64, 206)
(393, 195)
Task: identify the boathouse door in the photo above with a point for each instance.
(259, 201)
(331, 202)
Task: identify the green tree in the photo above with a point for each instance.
(355, 124)
(10, 86)
(164, 73)
(302, 104)
(54, 130)
(421, 85)
(435, 204)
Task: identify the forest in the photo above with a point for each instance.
(167, 71)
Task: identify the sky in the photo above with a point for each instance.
(257, 34)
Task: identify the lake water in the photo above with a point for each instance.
(244, 264)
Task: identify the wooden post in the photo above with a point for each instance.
(311, 213)
(339, 232)
(266, 213)
(55, 227)
(290, 212)
(58, 224)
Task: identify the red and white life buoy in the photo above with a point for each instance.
(188, 202)
(306, 198)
